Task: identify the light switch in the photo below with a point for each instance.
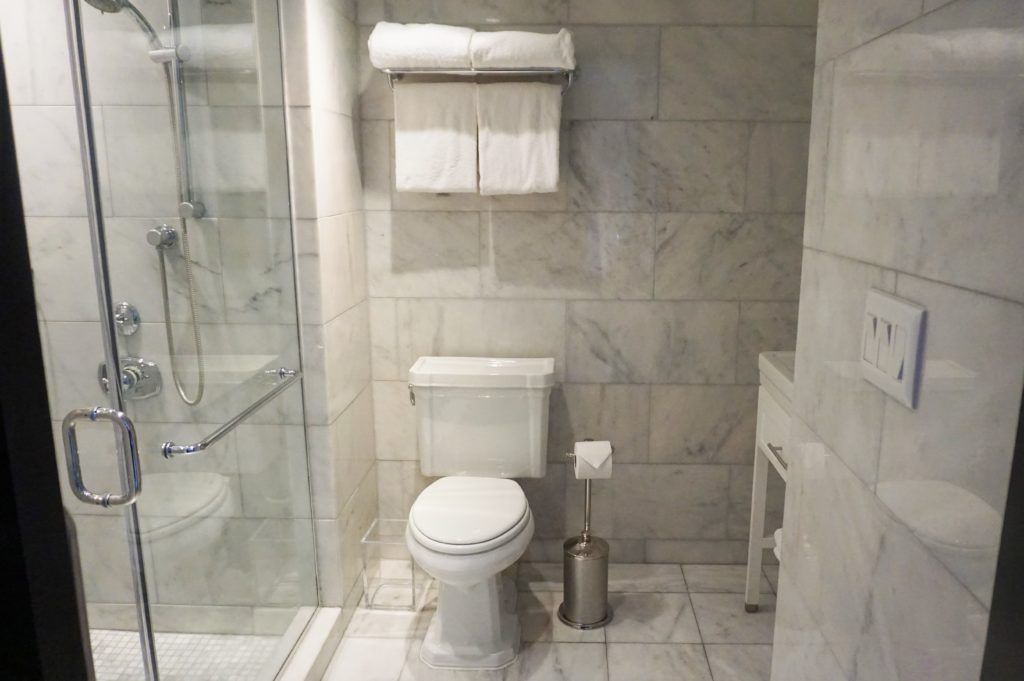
(891, 345)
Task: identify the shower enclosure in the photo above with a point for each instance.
(167, 304)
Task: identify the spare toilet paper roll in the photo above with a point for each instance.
(593, 459)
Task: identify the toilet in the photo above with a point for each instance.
(480, 422)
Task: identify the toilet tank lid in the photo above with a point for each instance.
(483, 372)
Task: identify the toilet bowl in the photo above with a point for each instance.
(464, 532)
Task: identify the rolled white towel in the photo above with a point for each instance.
(522, 49)
(432, 46)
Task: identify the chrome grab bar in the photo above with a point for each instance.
(288, 376)
(128, 450)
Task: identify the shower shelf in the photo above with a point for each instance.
(570, 75)
(287, 376)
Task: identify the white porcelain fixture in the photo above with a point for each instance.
(479, 422)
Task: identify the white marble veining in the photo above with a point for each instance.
(702, 424)
(625, 55)
(620, 413)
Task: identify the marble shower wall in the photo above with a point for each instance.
(320, 82)
(894, 515)
(668, 258)
(260, 567)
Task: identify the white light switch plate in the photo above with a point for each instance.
(890, 355)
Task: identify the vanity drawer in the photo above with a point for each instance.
(772, 429)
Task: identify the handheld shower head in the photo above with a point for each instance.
(115, 6)
(112, 6)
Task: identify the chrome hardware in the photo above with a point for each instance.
(412, 396)
(570, 75)
(191, 209)
(126, 318)
(165, 55)
(162, 237)
(140, 378)
(287, 376)
(128, 450)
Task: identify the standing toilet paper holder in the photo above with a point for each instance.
(585, 574)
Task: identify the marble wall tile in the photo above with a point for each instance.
(657, 502)
(625, 56)
(395, 421)
(840, 406)
(799, 651)
(665, 166)
(274, 477)
(340, 455)
(817, 154)
(399, 483)
(375, 162)
(702, 424)
(728, 256)
(686, 342)
(473, 12)
(140, 184)
(547, 500)
(843, 26)
(384, 338)
(331, 40)
(777, 172)
(717, 551)
(763, 327)
(949, 459)
(36, 60)
(347, 343)
(922, 161)
(338, 183)
(49, 162)
(661, 12)
(103, 551)
(786, 12)
(426, 254)
(376, 101)
(617, 413)
(257, 273)
(726, 73)
(564, 255)
(480, 328)
(62, 268)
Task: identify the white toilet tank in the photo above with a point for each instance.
(482, 416)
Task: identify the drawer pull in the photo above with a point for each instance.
(777, 451)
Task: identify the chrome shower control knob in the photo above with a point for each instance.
(191, 209)
(126, 318)
(162, 237)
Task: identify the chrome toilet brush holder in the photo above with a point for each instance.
(585, 576)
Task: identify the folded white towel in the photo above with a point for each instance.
(435, 137)
(431, 46)
(519, 125)
(520, 49)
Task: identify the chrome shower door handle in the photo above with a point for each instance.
(127, 450)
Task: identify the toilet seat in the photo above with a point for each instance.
(465, 515)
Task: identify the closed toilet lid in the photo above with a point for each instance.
(466, 510)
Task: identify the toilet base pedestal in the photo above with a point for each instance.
(475, 627)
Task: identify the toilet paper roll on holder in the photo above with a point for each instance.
(585, 534)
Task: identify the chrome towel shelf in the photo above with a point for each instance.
(287, 376)
(570, 75)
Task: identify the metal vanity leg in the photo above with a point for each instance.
(755, 548)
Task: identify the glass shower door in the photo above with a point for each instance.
(195, 267)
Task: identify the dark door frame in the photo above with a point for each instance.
(45, 633)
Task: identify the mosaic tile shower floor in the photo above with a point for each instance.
(195, 657)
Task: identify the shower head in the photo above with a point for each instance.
(111, 6)
(115, 6)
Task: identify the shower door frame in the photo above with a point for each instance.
(101, 272)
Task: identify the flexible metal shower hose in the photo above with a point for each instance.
(189, 276)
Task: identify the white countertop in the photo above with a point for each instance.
(777, 369)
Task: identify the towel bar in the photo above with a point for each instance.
(570, 75)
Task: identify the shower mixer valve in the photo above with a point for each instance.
(162, 237)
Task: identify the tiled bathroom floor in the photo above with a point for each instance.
(191, 657)
(671, 622)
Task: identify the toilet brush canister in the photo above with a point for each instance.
(585, 573)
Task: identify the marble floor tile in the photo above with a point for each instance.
(560, 662)
(368, 659)
(722, 619)
(416, 670)
(368, 623)
(740, 662)
(652, 618)
(645, 577)
(538, 616)
(657, 662)
(719, 579)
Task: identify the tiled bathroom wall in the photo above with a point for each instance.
(668, 258)
(893, 515)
